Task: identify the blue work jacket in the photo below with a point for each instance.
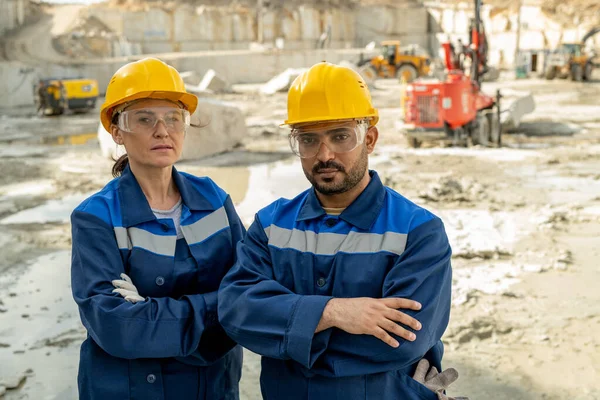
(170, 346)
(295, 258)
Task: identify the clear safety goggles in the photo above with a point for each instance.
(144, 120)
(342, 137)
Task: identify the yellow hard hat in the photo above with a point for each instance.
(328, 92)
(149, 78)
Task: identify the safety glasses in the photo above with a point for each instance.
(342, 137)
(145, 120)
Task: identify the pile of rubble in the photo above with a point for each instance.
(556, 217)
(140, 5)
(89, 37)
(477, 329)
(451, 190)
(567, 12)
(210, 83)
(14, 382)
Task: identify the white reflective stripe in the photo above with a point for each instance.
(204, 228)
(391, 242)
(135, 237)
(331, 243)
(122, 238)
(163, 245)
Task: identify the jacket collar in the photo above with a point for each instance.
(361, 213)
(134, 205)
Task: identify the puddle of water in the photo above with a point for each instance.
(31, 188)
(16, 137)
(52, 211)
(75, 139)
(269, 182)
(74, 169)
(43, 127)
(18, 151)
(233, 180)
(39, 309)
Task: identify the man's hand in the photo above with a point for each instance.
(435, 381)
(126, 289)
(368, 316)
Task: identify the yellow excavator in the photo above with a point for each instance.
(55, 96)
(571, 60)
(406, 63)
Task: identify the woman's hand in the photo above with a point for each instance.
(126, 288)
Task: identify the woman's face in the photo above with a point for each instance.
(152, 132)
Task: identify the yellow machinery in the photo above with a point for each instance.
(405, 64)
(55, 96)
(570, 60)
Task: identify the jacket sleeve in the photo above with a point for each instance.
(422, 273)
(155, 328)
(264, 316)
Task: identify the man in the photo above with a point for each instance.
(41, 95)
(320, 278)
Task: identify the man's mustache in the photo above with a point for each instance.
(327, 165)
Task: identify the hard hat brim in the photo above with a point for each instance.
(373, 119)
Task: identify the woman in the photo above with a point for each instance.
(149, 252)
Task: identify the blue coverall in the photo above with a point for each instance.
(171, 346)
(295, 258)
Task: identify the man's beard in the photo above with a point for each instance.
(351, 178)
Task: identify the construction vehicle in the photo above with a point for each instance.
(57, 95)
(455, 109)
(571, 60)
(404, 63)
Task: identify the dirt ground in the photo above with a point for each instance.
(523, 221)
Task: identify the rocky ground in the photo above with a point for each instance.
(523, 220)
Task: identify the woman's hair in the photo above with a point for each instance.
(122, 162)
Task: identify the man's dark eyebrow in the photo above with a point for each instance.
(142, 111)
(336, 130)
(306, 133)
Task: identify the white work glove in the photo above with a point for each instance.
(125, 288)
(435, 381)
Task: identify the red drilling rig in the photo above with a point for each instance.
(455, 109)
